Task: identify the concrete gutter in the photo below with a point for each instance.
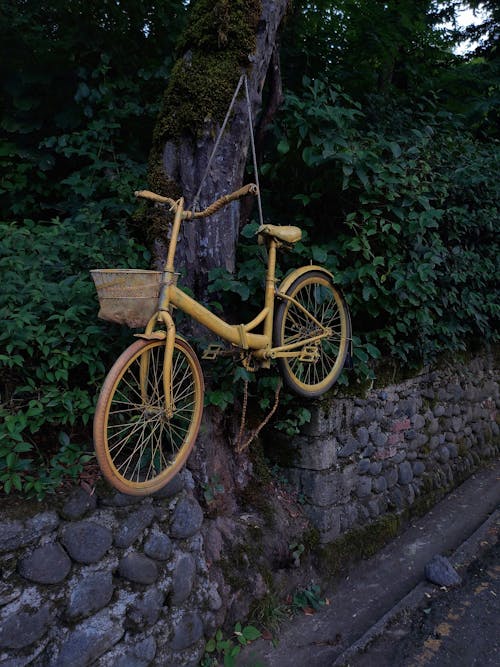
(377, 589)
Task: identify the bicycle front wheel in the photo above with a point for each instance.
(139, 446)
(313, 373)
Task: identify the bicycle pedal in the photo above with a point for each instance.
(309, 354)
(212, 351)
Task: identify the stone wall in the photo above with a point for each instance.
(358, 459)
(117, 577)
(112, 580)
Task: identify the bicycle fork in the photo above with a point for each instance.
(169, 336)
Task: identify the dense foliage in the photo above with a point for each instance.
(386, 153)
(81, 84)
(402, 206)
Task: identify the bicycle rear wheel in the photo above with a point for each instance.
(138, 447)
(320, 367)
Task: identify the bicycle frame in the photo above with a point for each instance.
(240, 335)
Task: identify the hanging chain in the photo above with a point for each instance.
(241, 445)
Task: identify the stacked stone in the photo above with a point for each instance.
(358, 459)
(109, 581)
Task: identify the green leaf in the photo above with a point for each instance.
(251, 633)
(210, 646)
(283, 146)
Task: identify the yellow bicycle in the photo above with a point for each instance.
(149, 410)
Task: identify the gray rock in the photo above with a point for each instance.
(443, 395)
(418, 422)
(138, 568)
(440, 571)
(213, 543)
(23, 628)
(379, 484)
(391, 477)
(434, 442)
(443, 454)
(409, 493)
(130, 660)
(133, 526)
(325, 522)
(379, 439)
(183, 578)
(42, 523)
(396, 497)
(311, 453)
(433, 427)
(48, 564)
(420, 440)
(78, 504)
(439, 411)
(89, 641)
(158, 546)
(90, 595)
(363, 435)
(363, 466)
(373, 508)
(418, 468)
(145, 648)
(187, 519)
(120, 500)
(376, 468)
(407, 407)
(324, 488)
(364, 487)
(86, 541)
(140, 655)
(368, 451)
(16, 534)
(405, 474)
(455, 391)
(187, 631)
(8, 593)
(349, 448)
(145, 611)
(175, 486)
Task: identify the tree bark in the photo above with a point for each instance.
(212, 242)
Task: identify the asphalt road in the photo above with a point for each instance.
(458, 627)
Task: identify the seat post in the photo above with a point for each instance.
(270, 288)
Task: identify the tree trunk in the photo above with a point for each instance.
(223, 40)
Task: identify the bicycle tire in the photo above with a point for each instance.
(140, 449)
(315, 291)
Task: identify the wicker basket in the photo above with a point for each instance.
(127, 296)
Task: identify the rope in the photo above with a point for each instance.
(240, 445)
(254, 154)
(243, 78)
(217, 142)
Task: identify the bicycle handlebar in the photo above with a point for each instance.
(251, 188)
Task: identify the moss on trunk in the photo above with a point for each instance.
(214, 48)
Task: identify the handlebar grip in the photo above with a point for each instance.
(251, 188)
(146, 194)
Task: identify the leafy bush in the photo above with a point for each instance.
(402, 207)
(53, 351)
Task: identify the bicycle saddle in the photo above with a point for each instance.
(285, 234)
